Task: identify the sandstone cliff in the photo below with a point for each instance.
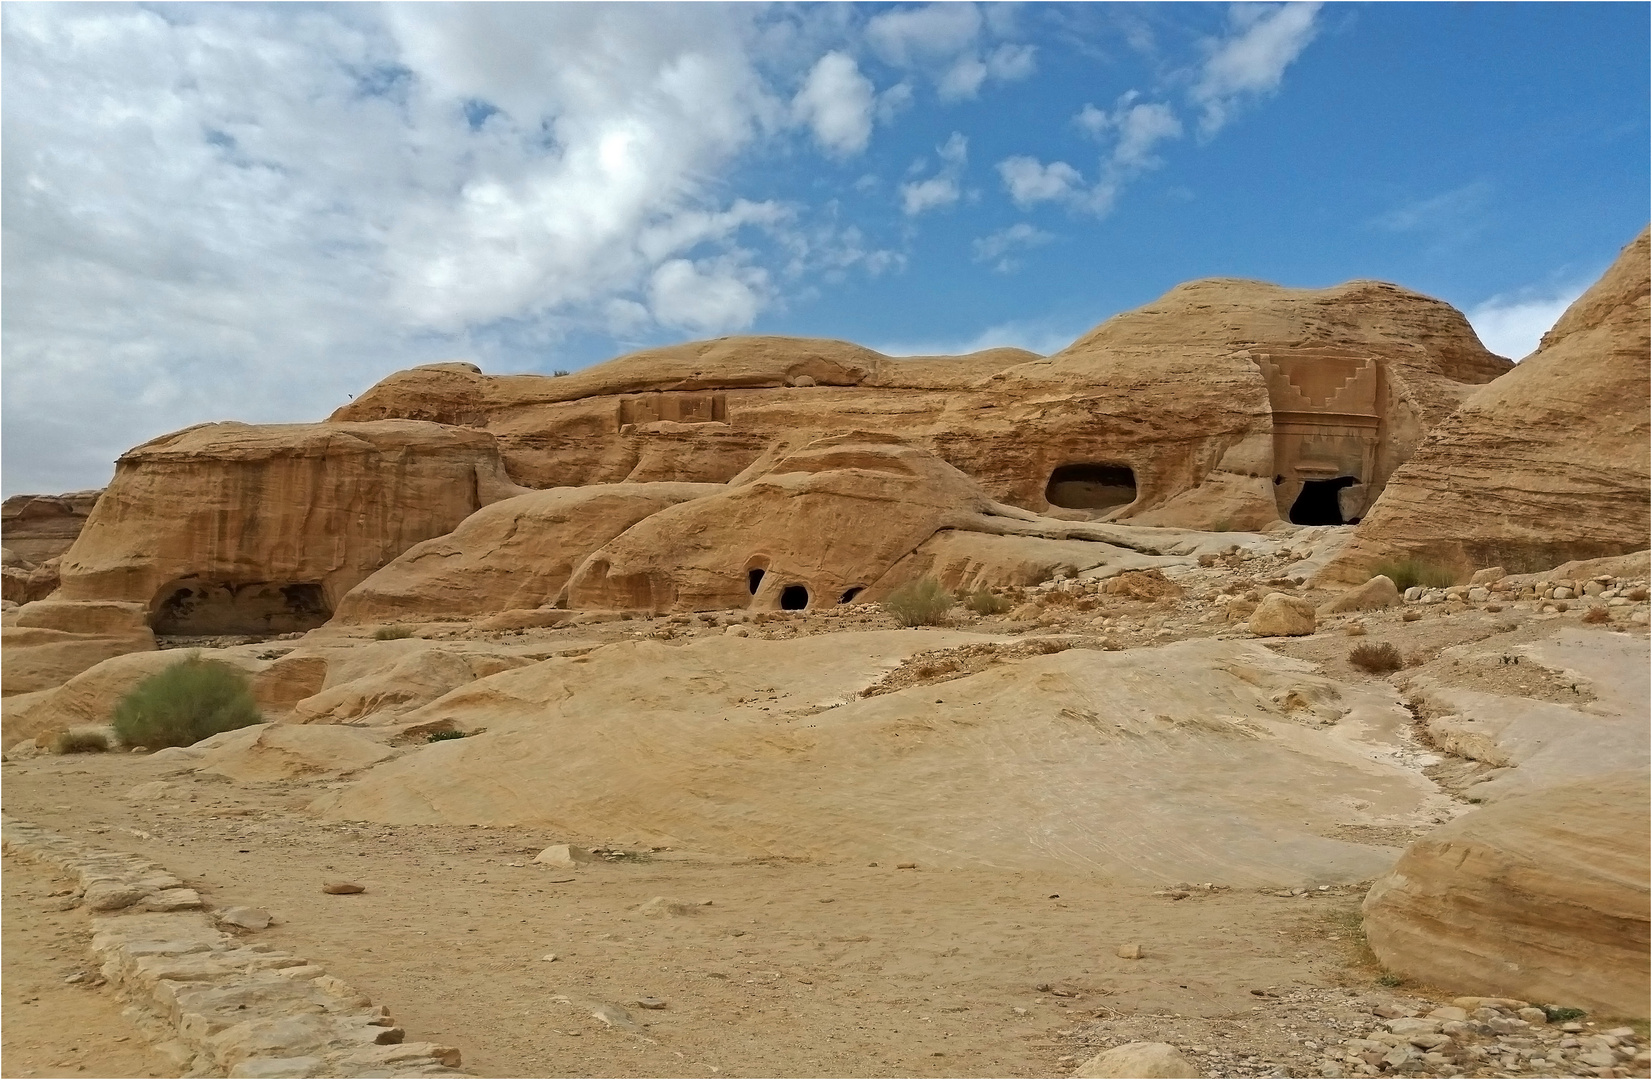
(1546, 464)
(232, 528)
(1216, 406)
(36, 528)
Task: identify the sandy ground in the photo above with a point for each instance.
(791, 969)
(54, 1028)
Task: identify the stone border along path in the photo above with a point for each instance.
(217, 1006)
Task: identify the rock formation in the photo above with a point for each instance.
(1548, 463)
(1541, 897)
(1223, 404)
(231, 528)
(41, 527)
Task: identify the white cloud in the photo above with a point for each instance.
(707, 297)
(1445, 211)
(932, 193)
(996, 247)
(1029, 181)
(837, 102)
(1251, 60)
(947, 42)
(251, 211)
(1138, 129)
(1512, 326)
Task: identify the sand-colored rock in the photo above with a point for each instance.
(1378, 593)
(234, 528)
(36, 658)
(1182, 413)
(401, 680)
(1137, 1059)
(38, 528)
(108, 618)
(1541, 897)
(22, 582)
(90, 697)
(266, 752)
(515, 554)
(1137, 765)
(1548, 463)
(1282, 615)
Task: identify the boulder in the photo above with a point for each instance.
(1138, 1059)
(1487, 575)
(235, 528)
(564, 857)
(1548, 463)
(512, 555)
(1282, 615)
(1379, 592)
(1540, 897)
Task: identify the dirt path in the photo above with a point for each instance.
(54, 1028)
(791, 969)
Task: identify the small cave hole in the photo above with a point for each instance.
(1318, 505)
(754, 579)
(1091, 486)
(850, 594)
(794, 598)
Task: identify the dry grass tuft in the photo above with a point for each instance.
(80, 741)
(1597, 615)
(1376, 657)
(919, 603)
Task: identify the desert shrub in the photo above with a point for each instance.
(392, 633)
(184, 704)
(1410, 572)
(983, 602)
(1057, 597)
(446, 735)
(81, 741)
(1376, 657)
(1561, 1016)
(1597, 615)
(1390, 980)
(919, 603)
(1638, 595)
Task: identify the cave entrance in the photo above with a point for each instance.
(1318, 505)
(794, 598)
(754, 579)
(1091, 486)
(192, 607)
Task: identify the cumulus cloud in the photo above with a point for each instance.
(1029, 181)
(1137, 129)
(837, 103)
(948, 42)
(1511, 326)
(932, 193)
(997, 247)
(1251, 59)
(252, 211)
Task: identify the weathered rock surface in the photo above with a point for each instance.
(1139, 1059)
(37, 528)
(37, 658)
(997, 769)
(233, 528)
(1182, 413)
(515, 554)
(1282, 615)
(1542, 897)
(1548, 463)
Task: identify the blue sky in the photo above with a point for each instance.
(249, 212)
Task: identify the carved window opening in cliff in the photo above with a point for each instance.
(194, 607)
(794, 598)
(1318, 504)
(1091, 486)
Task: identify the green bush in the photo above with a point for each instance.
(919, 603)
(1561, 1016)
(446, 734)
(184, 704)
(80, 741)
(392, 633)
(1411, 572)
(983, 602)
